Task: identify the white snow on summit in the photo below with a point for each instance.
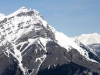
(87, 39)
(22, 9)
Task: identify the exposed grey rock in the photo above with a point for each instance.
(3, 21)
(8, 66)
(30, 13)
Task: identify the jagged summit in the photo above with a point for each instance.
(33, 45)
(22, 10)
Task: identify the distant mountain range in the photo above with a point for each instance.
(30, 46)
(92, 41)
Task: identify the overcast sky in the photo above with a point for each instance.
(72, 17)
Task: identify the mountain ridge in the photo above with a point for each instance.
(91, 41)
(44, 23)
(32, 45)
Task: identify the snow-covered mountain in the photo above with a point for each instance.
(30, 46)
(92, 41)
(88, 39)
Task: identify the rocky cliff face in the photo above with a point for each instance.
(30, 46)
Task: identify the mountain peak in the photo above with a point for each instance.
(88, 38)
(33, 45)
(95, 33)
(22, 9)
